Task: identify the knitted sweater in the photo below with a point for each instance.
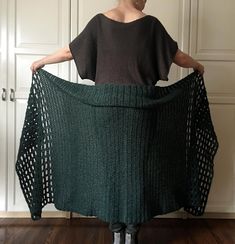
(119, 152)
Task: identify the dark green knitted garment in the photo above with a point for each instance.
(120, 152)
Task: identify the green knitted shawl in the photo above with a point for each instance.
(120, 152)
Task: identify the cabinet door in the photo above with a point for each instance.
(36, 29)
(3, 103)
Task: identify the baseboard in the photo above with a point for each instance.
(62, 214)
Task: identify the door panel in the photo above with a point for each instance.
(212, 42)
(36, 29)
(3, 104)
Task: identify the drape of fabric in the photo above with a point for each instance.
(123, 153)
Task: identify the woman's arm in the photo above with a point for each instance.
(184, 60)
(61, 55)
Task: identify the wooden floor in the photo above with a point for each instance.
(95, 231)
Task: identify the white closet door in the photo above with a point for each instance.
(213, 44)
(3, 103)
(36, 28)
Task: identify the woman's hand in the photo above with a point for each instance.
(36, 65)
(200, 68)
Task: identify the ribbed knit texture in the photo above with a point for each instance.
(123, 153)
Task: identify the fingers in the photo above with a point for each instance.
(201, 72)
(200, 68)
(32, 68)
(35, 66)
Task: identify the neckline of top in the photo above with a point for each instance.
(123, 23)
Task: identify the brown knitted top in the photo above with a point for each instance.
(109, 51)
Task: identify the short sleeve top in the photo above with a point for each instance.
(136, 52)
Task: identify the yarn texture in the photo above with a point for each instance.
(121, 152)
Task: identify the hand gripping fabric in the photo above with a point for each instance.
(123, 153)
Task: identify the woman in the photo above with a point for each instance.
(125, 35)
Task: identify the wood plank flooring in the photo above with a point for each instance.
(95, 231)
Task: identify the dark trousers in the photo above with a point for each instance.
(118, 226)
